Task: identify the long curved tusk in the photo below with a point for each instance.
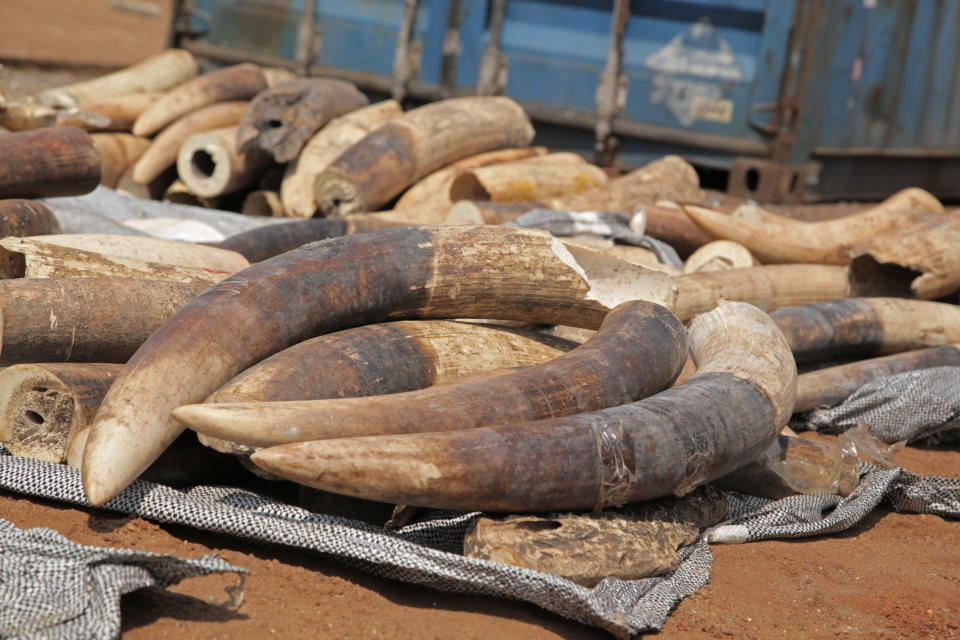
(281, 119)
(296, 190)
(719, 420)
(209, 163)
(43, 405)
(614, 367)
(925, 254)
(420, 141)
(162, 152)
(867, 326)
(84, 319)
(57, 161)
(157, 73)
(118, 151)
(417, 272)
(827, 242)
(239, 82)
(390, 357)
(831, 386)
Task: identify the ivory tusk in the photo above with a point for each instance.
(827, 242)
(118, 151)
(672, 442)
(84, 319)
(58, 161)
(610, 369)
(555, 174)
(420, 141)
(43, 405)
(384, 358)
(157, 73)
(262, 202)
(867, 326)
(171, 252)
(296, 190)
(831, 386)
(719, 255)
(162, 152)
(48, 260)
(210, 164)
(436, 186)
(770, 287)
(417, 272)
(280, 120)
(111, 114)
(19, 217)
(239, 82)
(924, 254)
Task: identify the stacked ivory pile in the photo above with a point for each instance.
(347, 365)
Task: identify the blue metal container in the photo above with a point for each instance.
(796, 98)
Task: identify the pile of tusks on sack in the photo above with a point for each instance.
(520, 332)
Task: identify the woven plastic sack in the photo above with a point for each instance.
(911, 406)
(427, 552)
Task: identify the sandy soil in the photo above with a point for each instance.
(893, 576)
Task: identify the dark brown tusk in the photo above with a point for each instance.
(43, 405)
(280, 120)
(866, 327)
(19, 218)
(45, 163)
(84, 319)
(391, 357)
(419, 142)
(831, 386)
(414, 272)
(719, 420)
(638, 351)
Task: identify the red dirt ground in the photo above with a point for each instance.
(893, 576)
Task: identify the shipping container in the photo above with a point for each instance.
(795, 98)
